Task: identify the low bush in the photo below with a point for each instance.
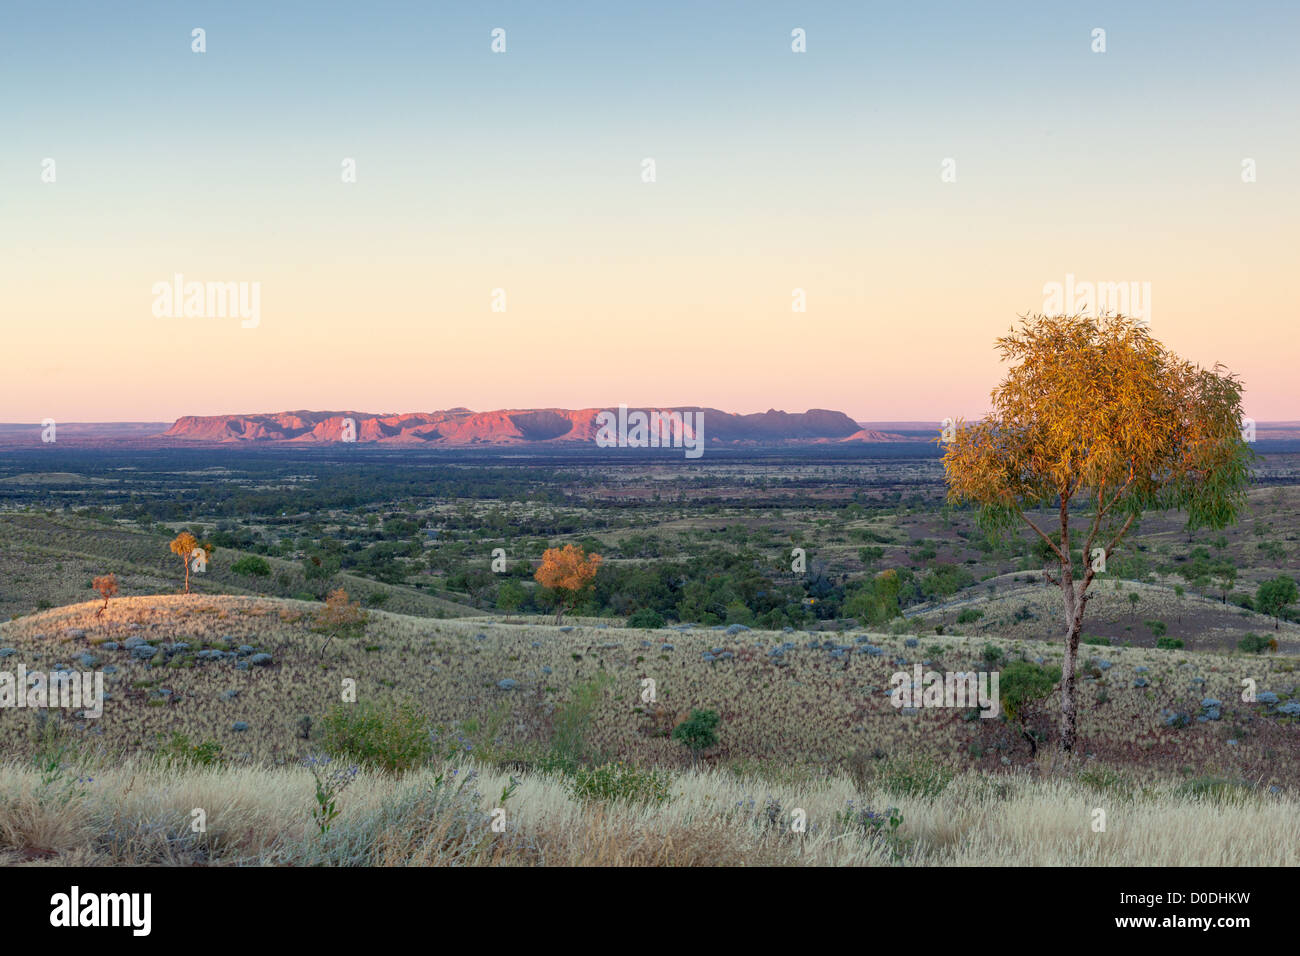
(392, 738)
(913, 777)
(1021, 684)
(619, 782)
(180, 752)
(698, 732)
(646, 617)
(1252, 643)
(252, 566)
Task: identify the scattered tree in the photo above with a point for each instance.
(106, 585)
(339, 616)
(876, 601)
(569, 572)
(183, 545)
(1098, 412)
(1273, 597)
(1224, 574)
(510, 596)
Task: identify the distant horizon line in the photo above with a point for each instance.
(895, 422)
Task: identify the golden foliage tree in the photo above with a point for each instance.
(568, 571)
(1098, 419)
(106, 585)
(339, 616)
(184, 544)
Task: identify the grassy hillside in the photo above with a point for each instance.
(50, 560)
(819, 704)
(1124, 612)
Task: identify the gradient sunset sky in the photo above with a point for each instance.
(523, 171)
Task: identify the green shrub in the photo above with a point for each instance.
(646, 617)
(913, 777)
(992, 653)
(1169, 643)
(621, 783)
(1157, 628)
(1099, 641)
(571, 722)
(252, 565)
(179, 752)
(699, 731)
(1252, 643)
(969, 616)
(1022, 684)
(393, 738)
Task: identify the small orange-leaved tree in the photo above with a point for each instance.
(339, 616)
(569, 572)
(106, 585)
(183, 545)
(1099, 418)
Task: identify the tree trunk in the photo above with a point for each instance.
(1074, 602)
(1033, 744)
(187, 575)
(1069, 668)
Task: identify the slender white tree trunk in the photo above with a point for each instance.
(1069, 669)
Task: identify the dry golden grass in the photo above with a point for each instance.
(140, 813)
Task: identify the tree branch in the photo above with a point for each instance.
(1102, 511)
(1050, 543)
(1087, 579)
